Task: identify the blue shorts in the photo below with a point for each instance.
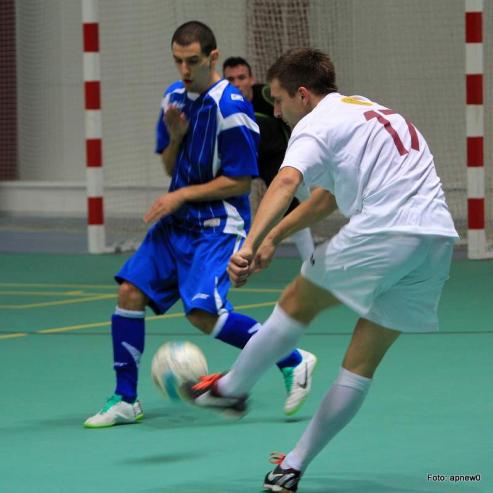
(174, 263)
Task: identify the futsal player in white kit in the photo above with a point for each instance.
(388, 263)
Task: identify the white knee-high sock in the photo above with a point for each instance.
(275, 339)
(338, 407)
(304, 243)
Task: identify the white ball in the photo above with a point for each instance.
(174, 363)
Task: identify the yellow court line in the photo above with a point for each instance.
(95, 325)
(106, 324)
(13, 335)
(100, 324)
(114, 286)
(152, 317)
(49, 285)
(255, 305)
(98, 297)
(57, 303)
(256, 290)
(46, 293)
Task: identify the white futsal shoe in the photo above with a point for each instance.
(298, 382)
(116, 412)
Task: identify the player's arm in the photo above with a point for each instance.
(270, 211)
(273, 205)
(219, 188)
(169, 156)
(309, 157)
(319, 205)
(176, 126)
(222, 187)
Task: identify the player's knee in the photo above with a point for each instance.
(297, 303)
(290, 303)
(289, 295)
(204, 321)
(130, 297)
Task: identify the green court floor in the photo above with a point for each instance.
(429, 414)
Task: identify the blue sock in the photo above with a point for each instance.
(128, 331)
(236, 329)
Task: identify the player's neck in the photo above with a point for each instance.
(315, 99)
(215, 77)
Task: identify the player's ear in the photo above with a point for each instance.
(303, 93)
(214, 54)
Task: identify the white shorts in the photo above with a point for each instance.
(392, 279)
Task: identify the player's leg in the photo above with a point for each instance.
(138, 288)
(300, 302)
(303, 238)
(341, 403)
(369, 344)
(207, 308)
(411, 275)
(236, 329)
(128, 334)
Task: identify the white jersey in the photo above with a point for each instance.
(376, 164)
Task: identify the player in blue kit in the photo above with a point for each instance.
(208, 139)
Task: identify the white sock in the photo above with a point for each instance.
(339, 406)
(275, 339)
(304, 243)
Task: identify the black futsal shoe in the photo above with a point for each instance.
(281, 480)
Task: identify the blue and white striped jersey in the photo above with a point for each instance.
(222, 139)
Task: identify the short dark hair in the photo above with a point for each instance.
(306, 67)
(235, 61)
(195, 32)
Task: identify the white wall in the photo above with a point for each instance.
(136, 67)
(408, 55)
(50, 98)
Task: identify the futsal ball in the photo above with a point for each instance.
(175, 363)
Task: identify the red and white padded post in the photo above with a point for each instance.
(476, 236)
(93, 127)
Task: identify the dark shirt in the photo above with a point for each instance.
(274, 135)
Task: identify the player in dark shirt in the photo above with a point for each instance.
(274, 135)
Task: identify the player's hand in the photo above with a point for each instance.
(265, 254)
(164, 206)
(241, 266)
(176, 123)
